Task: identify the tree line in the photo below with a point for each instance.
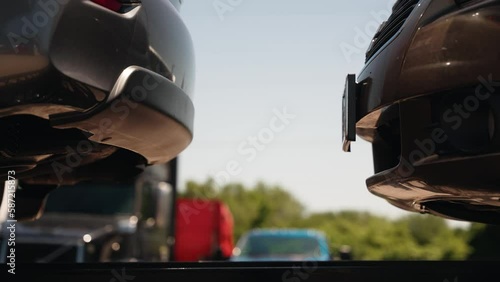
(371, 237)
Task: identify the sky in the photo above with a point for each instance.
(270, 79)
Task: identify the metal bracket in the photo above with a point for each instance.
(349, 112)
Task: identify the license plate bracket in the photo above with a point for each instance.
(349, 112)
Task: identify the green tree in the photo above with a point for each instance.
(484, 241)
(435, 239)
(371, 237)
(252, 207)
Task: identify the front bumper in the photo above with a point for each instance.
(441, 55)
(441, 46)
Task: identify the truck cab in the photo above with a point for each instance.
(203, 230)
(102, 222)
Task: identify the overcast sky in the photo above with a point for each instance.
(270, 77)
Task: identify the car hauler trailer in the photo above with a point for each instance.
(335, 271)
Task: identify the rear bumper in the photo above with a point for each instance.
(144, 113)
(70, 54)
(79, 71)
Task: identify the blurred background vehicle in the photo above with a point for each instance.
(102, 222)
(133, 220)
(282, 245)
(203, 230)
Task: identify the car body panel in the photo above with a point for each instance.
(429, 52)
(427, 160)
(68, 67)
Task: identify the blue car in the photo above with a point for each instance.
(282, 245)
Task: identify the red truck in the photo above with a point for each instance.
(203, 230)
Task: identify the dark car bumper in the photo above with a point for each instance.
(123, 80)
(440, 56)
(440, 46)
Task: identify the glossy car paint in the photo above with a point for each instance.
(443, 54)
(74, 71)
